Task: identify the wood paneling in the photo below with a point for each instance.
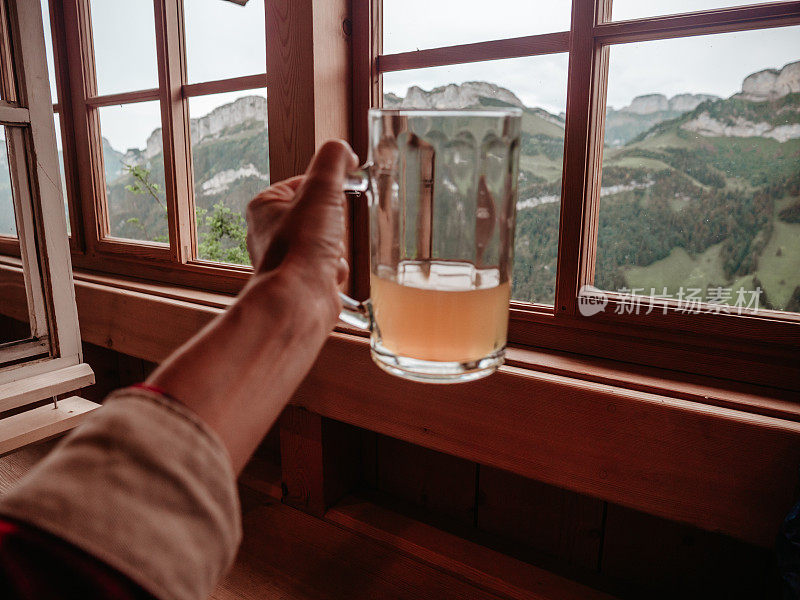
(288, 554)
(712, 467)
(472, 562)
(319, 460)
(437, 482)
(659, 559)
(548, 519)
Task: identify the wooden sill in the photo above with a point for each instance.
(480, 571)
(713, 454)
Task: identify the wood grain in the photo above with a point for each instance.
(14, 466)
(532, 45)
(738, 18)
(47, 385)
(713, 467)
(42, 423)
(472, 562)
(657, 559)
(649, 451)
(319, 460)
(549, 520)
(289, 554)
(436, 482)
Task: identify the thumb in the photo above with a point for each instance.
(317, 221)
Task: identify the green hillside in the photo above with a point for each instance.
(707, 197)
(709, 214)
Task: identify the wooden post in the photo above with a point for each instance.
(320, 460)
(308, 73)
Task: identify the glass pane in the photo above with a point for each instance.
(16, 327)
(700, 197)
(230, 166)
(224, 39)
(134, 169)
(539, 85)
(48, 48)
(124, 45)
(418, 24)
(8, 225)
(61, 168)
(623, 10)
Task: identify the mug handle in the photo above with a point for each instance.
(355, 313)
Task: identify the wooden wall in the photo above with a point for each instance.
(617, 549)
(602, 544)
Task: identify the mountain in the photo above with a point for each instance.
(230, 166)
(771, 83)
(710, 198)
(646, 111)
(696, 190)
(466, 95)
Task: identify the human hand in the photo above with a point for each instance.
(301, 220)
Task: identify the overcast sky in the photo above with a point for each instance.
(226, 40)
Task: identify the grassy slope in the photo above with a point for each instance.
(744, 162)
(779, 272)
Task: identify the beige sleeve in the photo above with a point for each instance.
(144, 486)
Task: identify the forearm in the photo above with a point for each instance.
(239, 372)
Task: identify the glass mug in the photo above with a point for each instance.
(442, 192)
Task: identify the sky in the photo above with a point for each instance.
(227, 40)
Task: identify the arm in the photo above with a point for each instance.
(238, 374)
(147, 485)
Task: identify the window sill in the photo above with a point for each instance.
(716, 454)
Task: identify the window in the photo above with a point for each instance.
(658, 191)
(626, 196)
(539, 85)
(165, 103)
(699, 179)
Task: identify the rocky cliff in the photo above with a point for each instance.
(763, 108)
(770, 84)
(466, 95)
(654, 103)
(222, 118)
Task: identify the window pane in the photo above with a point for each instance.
(48, 48)
(622, 10)
(11, 330)
(61, 168)
(701, 170)
(134, 170)
(418, 24)
(224, 39)
(8, 224)
(539, 85)
(230, 166)
(124, 45)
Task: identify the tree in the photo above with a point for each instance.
(143, 186)
(224, 238)
(222, 234)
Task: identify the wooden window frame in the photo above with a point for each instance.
(93, 248)
(760, 348)
(297, 117)
(54, 346)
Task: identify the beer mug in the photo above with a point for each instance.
(442, 190)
